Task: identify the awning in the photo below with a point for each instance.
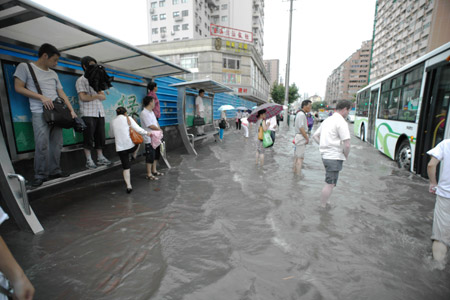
(25, 23)
(210, 86)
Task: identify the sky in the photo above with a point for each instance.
(324, 32)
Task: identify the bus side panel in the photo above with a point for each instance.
(388, 133)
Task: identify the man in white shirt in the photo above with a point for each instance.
(333, 137)
(48, 139)
(200, 110)
(93, 114)
(301, 138)
(441, 219)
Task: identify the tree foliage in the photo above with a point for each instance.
(278, 90)
(318, 105)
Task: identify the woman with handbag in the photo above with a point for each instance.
(125, 129)
(262, 126)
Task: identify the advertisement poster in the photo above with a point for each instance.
(190, 110)
(127, 95)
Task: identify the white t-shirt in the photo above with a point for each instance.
(300, 122)
(148, 118)
(272, 123)
(333, 132)
(121, 132)
(442, 153)
(199, 102)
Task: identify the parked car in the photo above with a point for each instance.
(351, 116)
(323, 115)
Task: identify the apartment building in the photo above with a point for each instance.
(350, 76)
(235, 64)
(173, 20)
(273, 70)
(405, 30)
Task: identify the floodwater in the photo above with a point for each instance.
(217, 227)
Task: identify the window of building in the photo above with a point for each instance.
(200, 31)
(206, 26)
(176, 27)
(185, 27)
(163, 41)
(231, 78)
(224, 6)
(162, 16)
(189, 61)
(176, 14)
(154, 17)
(153, 4)
(162, 3)
(231, 62)
(175, 1)
(224, 18)
(183, 1)
(185, 13)
(154, 30)
(162, 29)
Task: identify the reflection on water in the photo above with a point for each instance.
(218, 227)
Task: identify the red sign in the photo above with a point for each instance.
(231, 33)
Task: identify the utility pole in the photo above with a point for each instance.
(288, 65)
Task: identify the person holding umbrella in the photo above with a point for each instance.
(223, 119)
(261, 122)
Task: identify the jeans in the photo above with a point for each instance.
(48, 142)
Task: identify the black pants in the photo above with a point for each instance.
(152, 154)
(238, 124)
(125, 157)
(94, 134)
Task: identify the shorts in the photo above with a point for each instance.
(94, 134)
(152, 154)
(300, 146)
(332, 168)
(441, 220)
(125, 157)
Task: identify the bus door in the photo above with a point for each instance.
(434, 114)
(373, 107)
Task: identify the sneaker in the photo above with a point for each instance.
(59, 175)
(103, 161)
(37, 182)
(90, 164)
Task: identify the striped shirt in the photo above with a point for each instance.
(89, 108)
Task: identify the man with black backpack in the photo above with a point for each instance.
(48, 139)
(93, 114)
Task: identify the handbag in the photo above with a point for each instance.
(260, 133)
(223, 124)
(60, 115)
(267, 139)
(199, 121)
(135, 137)
(79, 125)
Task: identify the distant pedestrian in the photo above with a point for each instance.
(310, 119)
(301, 138)
(200, 111)
(152, 88)
(124, 145)
(441, 219)
(273, 126)
(222, 123)
(260, 123)
(245, 124)
(238, 119)
(333, 137)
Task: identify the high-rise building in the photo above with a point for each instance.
(350, 76)
(406, 30)
(273, 69)
(172, 20)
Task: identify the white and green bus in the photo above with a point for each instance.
(404, 114)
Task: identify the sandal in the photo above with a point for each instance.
(157, 173)
(151, 177)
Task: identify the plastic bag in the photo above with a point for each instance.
(267, 139)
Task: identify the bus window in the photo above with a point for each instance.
(393, 104)
(384, 108)
(410, 102)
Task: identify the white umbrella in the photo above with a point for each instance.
(226, 107)
(285, 107)
(254, 107)
(241, 108)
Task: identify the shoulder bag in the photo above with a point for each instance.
(135, 137)
(60, 115)
(260, 133)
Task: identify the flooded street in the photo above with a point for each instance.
(218, 227)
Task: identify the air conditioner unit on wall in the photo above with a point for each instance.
(152, 11)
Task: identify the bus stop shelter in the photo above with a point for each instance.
(24, 27)
(186, 108)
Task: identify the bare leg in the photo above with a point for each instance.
(99, 152)
(127, 178)
(87, 153)
(154, 166)
(298, 166)
(439, 250)
(136, 152)
(261, 159)
(149, 170)
(326, 193)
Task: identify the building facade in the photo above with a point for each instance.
(350, 76)
(174, 20)
(405, 30)
(235, 64)
(273, 70)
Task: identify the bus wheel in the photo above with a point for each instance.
(404, 155)
(363, 134)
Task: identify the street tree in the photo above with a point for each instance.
(278, 91)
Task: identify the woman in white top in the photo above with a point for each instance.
(124, 144)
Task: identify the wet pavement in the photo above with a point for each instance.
(218, 227)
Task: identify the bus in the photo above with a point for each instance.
(404, 114)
